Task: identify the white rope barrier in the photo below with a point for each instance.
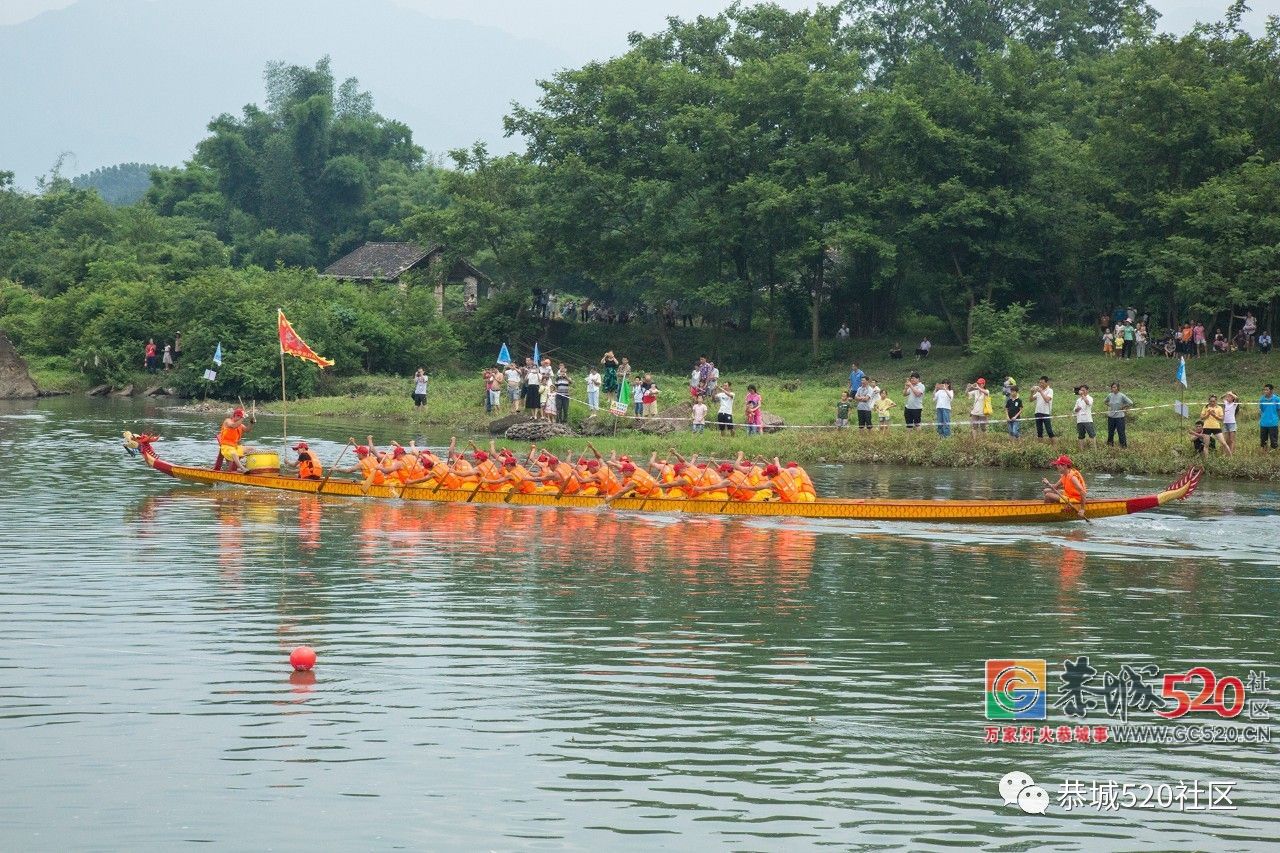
(957, 422)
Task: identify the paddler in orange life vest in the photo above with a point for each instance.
(487, 473)
(634, 480)
(587, 473)
(735, 483)
(366, 467)
(785, 485)
(1070, 488)
(462, 474)
(559, 476)
(518, 477)
(802, 479)
(229, 437)
(403, 466)
(307, 465)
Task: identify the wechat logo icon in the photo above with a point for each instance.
(1019, 789)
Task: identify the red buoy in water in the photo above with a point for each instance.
(303, 658)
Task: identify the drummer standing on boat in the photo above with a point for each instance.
(229, 437)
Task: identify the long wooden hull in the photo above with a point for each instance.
(993, 512)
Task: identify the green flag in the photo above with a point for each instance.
(623, 403)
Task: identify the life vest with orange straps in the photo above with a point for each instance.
(309, 468)
(231, 435)
(370, 471)
(785, 486)
(644, 482)
(568, 479)
(522, 479)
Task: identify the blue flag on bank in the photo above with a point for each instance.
(1182, 371)
(537, 359)
(504, 355)
(217, 355)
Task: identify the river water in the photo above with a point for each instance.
(494, 678)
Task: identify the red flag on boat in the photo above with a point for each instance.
(291, 344)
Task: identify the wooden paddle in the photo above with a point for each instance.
(1079, 509)
(349, 444)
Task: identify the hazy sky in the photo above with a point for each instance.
(597, 28)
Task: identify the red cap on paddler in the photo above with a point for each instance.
(982, 382)
(679, 466)
(361, 450)
(481, 456)
(792, 465)
(301, 445)
(398, 452)
(238, 413)
(770, 470)
(627, 466)
(1063, 460)
(726, 467)
(593, 464)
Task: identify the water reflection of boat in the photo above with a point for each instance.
(405, 534)
(873, 509)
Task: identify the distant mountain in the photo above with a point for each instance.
(118, 185)
(116, 81)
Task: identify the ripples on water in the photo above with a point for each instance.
(510, 678)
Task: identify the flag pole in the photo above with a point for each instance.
(284, 396)
(284, 401)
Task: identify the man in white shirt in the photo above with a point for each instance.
(724, 417)
(862, 397)
(1083, 410)
(913, 405)
(512, 375)
(942, 399)
(1042, 394)
(593, 390)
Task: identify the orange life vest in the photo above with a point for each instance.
(569, 480)
(463, 471)
(409, 469)
(608, 484)
(644, 482)
(802, 480)
(522, 479)
(370, 471)
(231, 435)
(487, 470)
(1067, 485)
(784, 485)
(309, 468)
(739, 491)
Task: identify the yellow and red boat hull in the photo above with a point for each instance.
(991, 512)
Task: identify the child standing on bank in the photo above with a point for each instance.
(1013, 412)
(754, 413)
(842, 410)
(882, 406)
(699, 415)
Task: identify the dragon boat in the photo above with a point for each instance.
(869, 509)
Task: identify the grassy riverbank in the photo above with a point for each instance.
(1158, 444)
